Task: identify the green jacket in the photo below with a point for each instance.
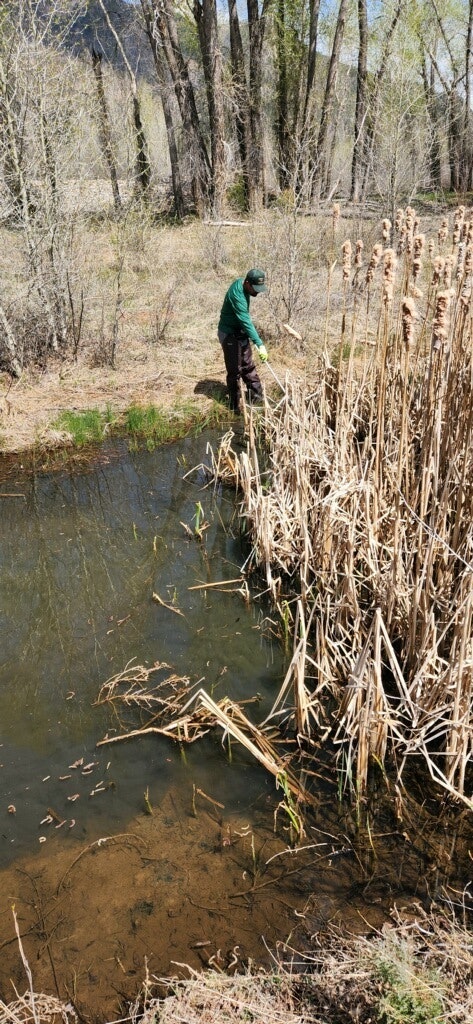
(235, 313)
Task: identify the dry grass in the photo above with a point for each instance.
(418, 970)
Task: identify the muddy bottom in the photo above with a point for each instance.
(191, 886)
(176, 888)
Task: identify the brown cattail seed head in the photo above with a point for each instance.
(419, 242)
(390, 263)
(373, 263)
(458, 224)
(431, 247)
(408, 315)
(469, 259)
(346, 259)
(439, 264)
(399, 219)
(440, 324)
(442, 233)
(461, 260)
(386, 230)
(358, 252)
(448, 270)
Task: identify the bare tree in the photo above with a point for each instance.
(361, 102)
(320, 156)
(205, 14)
(165, 28)
(106, 131)
(142, 165)
(160, 66)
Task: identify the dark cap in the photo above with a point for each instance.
(257, 278)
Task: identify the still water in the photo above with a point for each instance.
(81, 554)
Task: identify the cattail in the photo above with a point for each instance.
(346, 259)
(416, 292)
(439, 264)
(469, 260)
(419, 242)
(358, 252)
(390, 263)
(469, 232)
(448, 270)
(431, 248)
(408, 316)
(335, 215)
(440, 324)
(386, 231)
(442, 233)
(399, 220)
(410, 214)
(373, 263)
(461, 260)
(401, 242)
(410, 221)
(458, 224)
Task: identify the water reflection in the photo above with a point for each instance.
(81, 554)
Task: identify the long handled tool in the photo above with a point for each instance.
(278, 382)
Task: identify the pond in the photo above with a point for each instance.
(101, 569)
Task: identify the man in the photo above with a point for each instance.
(235, 331)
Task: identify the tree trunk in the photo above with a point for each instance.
(361, 103)
(105, 131)
(256, 28)
(321, 146)
(167, 29)
(205, 13)
(142, 165)
(282, 125)
(179, 204)
(467, 148)
(240, 94)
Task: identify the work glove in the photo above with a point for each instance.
(263, 354)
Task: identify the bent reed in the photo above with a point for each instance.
(357, 492)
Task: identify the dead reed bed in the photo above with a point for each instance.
(357, 491)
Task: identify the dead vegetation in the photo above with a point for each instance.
(418, 969)
(356, 490)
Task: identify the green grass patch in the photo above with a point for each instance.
(408, 996)
(150, 426)
(85, 427)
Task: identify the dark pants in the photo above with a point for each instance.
(238, 356)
